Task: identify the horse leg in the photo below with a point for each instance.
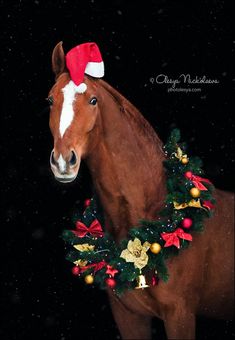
(180, 324)
(131, 325)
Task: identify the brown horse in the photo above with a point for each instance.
(124, 156)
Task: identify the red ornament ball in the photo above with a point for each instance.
(188, 174)
(75, 270)
(187, 222)
(110, 282)
(87, 202)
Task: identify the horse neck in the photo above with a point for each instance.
(126, 164)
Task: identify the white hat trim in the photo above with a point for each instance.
(81, 88)
(95, 69)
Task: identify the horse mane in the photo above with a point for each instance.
(132, 113)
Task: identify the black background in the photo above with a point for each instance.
(41, 299)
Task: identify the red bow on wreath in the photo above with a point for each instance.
(96, 266)
(173, 238)
(94, 229)
(197, 181)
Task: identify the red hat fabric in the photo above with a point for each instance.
(84, 58)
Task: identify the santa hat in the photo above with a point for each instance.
(84, 58)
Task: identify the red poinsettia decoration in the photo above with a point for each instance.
(208, 205)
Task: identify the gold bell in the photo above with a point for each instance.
(141, 282)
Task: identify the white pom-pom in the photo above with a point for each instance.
(81, 88)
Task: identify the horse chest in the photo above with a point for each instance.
(142, 303)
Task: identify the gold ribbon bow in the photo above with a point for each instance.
(179, 154)
(192, 203)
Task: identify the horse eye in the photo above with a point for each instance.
(50, 100)
(93, 101)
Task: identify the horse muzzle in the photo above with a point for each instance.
(65, 169)
(64, 179)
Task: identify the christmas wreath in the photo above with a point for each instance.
(99, 259)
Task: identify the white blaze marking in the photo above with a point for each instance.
(67, 113)
(61, 163)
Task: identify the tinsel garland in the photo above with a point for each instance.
(100, 260)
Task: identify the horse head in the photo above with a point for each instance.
(74, 118)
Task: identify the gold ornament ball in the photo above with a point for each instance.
(89, 279)
(195, 192)
(155, 248)
(184, 160)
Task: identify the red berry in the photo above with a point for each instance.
(188, 174)
(187, 222)
(87, 202)
(154, 281)
(110, 282)
(75, 270)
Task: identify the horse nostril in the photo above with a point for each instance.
(53, 158)
(73, 159)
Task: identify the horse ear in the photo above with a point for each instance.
(58, 60)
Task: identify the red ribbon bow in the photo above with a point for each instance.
(94, 229)
(173, 238)
(197, 181)
(97, 266)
